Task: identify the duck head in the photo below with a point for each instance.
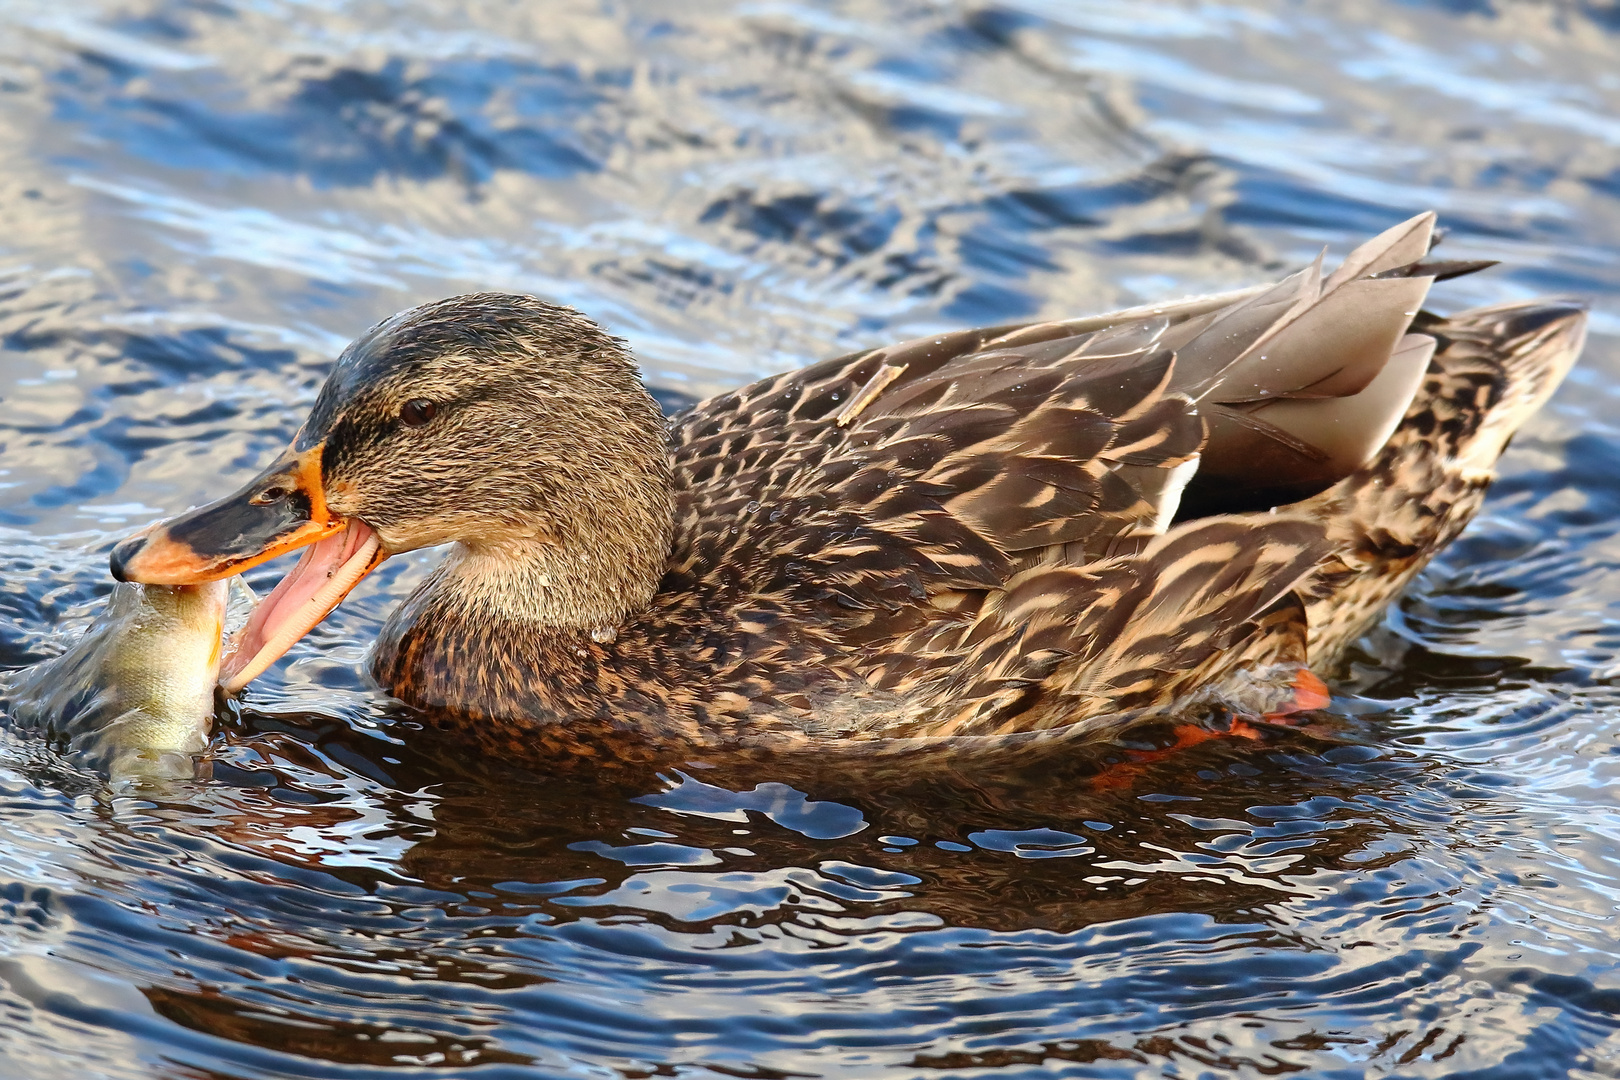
(516, 429)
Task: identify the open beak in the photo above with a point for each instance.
(280, 510)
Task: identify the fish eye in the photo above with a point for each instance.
(417, 411)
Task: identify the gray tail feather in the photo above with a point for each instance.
(1302, 383)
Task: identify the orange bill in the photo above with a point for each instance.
(280, 510)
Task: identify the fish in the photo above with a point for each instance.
(134, 697)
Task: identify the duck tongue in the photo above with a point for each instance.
(323, 577)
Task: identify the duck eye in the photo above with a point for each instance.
(417, 411)
(273, 493)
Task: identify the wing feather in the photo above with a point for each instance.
(1001, 501)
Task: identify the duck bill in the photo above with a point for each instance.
(280, 510)
(330, 568)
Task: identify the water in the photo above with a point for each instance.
(202, 200)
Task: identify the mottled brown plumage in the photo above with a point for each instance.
(1023, 529)
(961, 535)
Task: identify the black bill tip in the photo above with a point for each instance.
(121, 555)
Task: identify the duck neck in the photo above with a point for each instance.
(586, 552)
(511, 630)
(542, 584)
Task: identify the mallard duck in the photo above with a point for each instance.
(984, 532)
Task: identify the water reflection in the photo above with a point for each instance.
(493, 916)
(201, 202)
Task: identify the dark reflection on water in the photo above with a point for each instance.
(201, 201)
(357, 903)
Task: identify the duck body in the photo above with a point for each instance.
(987, 533)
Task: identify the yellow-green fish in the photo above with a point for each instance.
(135, 695)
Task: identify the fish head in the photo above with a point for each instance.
(138, 687)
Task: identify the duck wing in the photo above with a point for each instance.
(1066, 644)
(904, 490)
